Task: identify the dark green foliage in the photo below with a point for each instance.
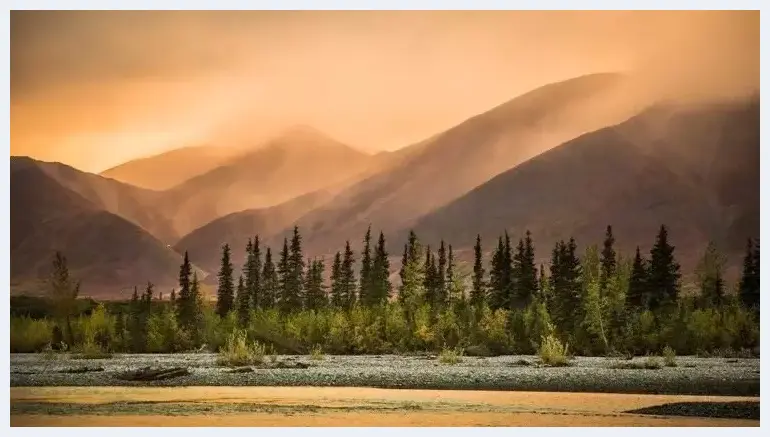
(636, 298)
(337, 299)
(379, 281)
(243, 302)
(365, 279)
(441, 288)
(608, 259)
(524, 274)
(478, 292)
(566, 286)
(270, 281)
(710, 273)
(185, 304)
(64, 293)
(225, 291)
(348, 277)
(315, 291)
(498, 297)
(663, 273)
(749, 285)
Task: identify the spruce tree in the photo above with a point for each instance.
(507, 269)
(636, 297)
(497, 296)
(292, 299)
(380, 285)
(542, 285)
(315, 292)
(185, 305)
(608, 260)
(243, 303)
(337, 298)
(663, 274)
(451, 278)
(404, 262)
(441, 284)
(225, 290)
(478, 292)
(248, 272)
(284, 278)
(566, 285)
(748, 288)
(348, 277)
(525, 273)
(270, 281)
(412, 283)
(429, 278)
(710, 271)
(196, 302)
(365, 279)
(253, 281)
(64, 293)
(135, 323)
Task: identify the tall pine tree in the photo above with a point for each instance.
(225, 290)
(270, 281)
(348, 277)
(253, 278)
(608, 259)
(242, 303)
(497, 280)
(525, 273)
(637, 296)
(337, 299)
(748, 288)
(441, 283)
(366, 269)
(315, 292)
(478, 292)
(663, 274)
(184, 302)
(380, 286)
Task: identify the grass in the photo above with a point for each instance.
(239, 352)
(317, 353)
(90, 351)
(450, 356)
(669, 357)
(553, 353)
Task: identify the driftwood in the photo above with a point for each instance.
(82, 369)
(150, 374)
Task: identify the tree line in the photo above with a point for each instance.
(596, 301)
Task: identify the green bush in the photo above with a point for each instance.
(669, 357)
(90, 350)
(450, 355)
(317, 353)
(552, 352)
(30, 335)
(239, 352)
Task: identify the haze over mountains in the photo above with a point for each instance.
(563, 160)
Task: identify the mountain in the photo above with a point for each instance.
(204, 244)
(693, 168)
(109, 253)
(300, 161)
(134, 204)
(438, 170)
(168, 169)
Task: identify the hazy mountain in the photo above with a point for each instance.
(107, 252)
(204, 244)
(168, 169)
(696, 169)
(448, 165)
(300, 161)
(136, 205)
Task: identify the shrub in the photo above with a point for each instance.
(669, 357)
(30, 335)
(552, 352)
(450, 356)
(90, 350)
(317, 353)
(652, 363)
(238, 352)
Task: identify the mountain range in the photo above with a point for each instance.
(563, 160)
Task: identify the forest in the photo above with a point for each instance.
(594, 303)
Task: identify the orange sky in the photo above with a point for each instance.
(94, 89)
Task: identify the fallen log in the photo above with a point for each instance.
(150, 374)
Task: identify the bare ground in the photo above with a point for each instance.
(343, 406)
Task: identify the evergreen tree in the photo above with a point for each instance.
(507, 273)
(64, 293)
(566, 286)
(248, 273)
(135, 323)
(636, 298)
(338, 300)
(451, 278)
(348, 277)
(243, 303)
(404, 262)
(608, 259)
(380, 275)
(120, 331)
(365, 279)
(412, 288)
(315, 292)
(525, 273)
(663, 274)
(284, 273)
(710, 271)
(252, 271)
(429, 277)
(172, 298)
(478, 292)
(293, 290)
(441, 285)
(270, 281)
(748, 288)
(196, 302)
(225, 291)
(185, 303)
(497, 296)
(542, 285)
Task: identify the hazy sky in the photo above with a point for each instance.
(94, 89)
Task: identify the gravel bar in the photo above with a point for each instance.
(694, 376)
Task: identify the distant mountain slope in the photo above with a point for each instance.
(204, 243)
(299, 162)
(696, 169)
(168, 169)
(107, 252)
(452, 163)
